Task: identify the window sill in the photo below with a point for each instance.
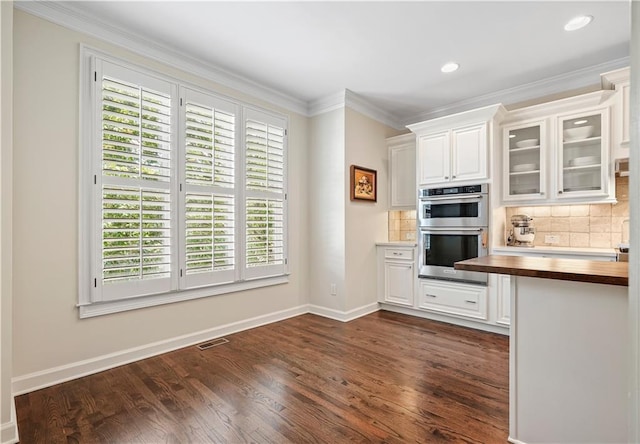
(103, 308)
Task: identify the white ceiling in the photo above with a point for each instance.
(388, 53)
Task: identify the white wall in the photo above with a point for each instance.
(8, 429)
(46, 329)
(327, 190)
(365, 222)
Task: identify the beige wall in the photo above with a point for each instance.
(326, 175)
(7, 429)
(46, 329)
(366, 222)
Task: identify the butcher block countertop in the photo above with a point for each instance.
(596, 272)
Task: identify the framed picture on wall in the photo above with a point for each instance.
(364, 184)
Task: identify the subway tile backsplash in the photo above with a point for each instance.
(589, 226)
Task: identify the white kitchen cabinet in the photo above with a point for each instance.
(559, 152)
(396, 274)
(469, 301)
(402, 171)
(583, 165)
(619, 80)
(456, 155)
(456, 148)
(525, 162)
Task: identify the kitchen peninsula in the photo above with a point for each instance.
(568, 364)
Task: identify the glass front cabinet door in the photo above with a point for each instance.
(583, 161)
(524, 161)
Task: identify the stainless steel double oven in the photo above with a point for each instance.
(453, 226)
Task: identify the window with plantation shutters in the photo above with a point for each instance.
(183, 191)
(265, 198)
(210, 201)
(135, 180)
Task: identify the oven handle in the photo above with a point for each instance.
(451, 198)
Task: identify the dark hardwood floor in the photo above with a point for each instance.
(384, 377)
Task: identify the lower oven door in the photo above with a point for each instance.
(440, 248)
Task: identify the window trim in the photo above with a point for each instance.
(87, 220)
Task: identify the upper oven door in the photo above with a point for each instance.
(466, 210)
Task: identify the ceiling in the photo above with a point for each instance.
(387, 53)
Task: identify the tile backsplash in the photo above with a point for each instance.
(594, 226)
(402, 226)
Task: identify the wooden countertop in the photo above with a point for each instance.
(597, 272)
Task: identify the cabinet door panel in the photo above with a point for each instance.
(524, 161)
(403, 176)
(583, 163)
(399, 278)
(469, 153)
(433, 158)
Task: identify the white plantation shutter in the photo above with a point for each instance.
(209, 203)
(184, 193)
(265, 194)
(134, 182)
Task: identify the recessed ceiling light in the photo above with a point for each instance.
(449, 67)
(580, 122)
(578, 22)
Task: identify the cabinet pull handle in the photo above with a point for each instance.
(471, 302)
(430, 295)
(395, 253)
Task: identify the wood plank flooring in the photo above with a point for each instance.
(385, 377)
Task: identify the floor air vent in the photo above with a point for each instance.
(212, 343)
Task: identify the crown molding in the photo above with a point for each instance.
(362, 105)
(612, 78)
(484, 114)
(70, 17)
(348, 98)
(552, 85)
(326, 104)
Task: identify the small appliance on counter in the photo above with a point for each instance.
(522, 231)
(622, 252)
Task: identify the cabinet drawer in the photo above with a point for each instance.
(398, 253)
(462, 300)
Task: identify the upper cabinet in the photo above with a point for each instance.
(456, 148)
(559, 151)
(525, 160)
(402, 171)
(619, 80)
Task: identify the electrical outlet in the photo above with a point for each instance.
(551, 239)
(333, 289)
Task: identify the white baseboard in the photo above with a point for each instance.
(503, 330)
(344, 316)
(9, 430)
(56, 375)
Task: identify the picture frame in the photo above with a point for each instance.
(364, 184)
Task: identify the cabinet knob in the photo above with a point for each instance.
(560, 192)
(453, 177)
(446, 177)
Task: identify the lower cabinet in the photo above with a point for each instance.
(396, 275)
(474, 306)
(469, 301)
